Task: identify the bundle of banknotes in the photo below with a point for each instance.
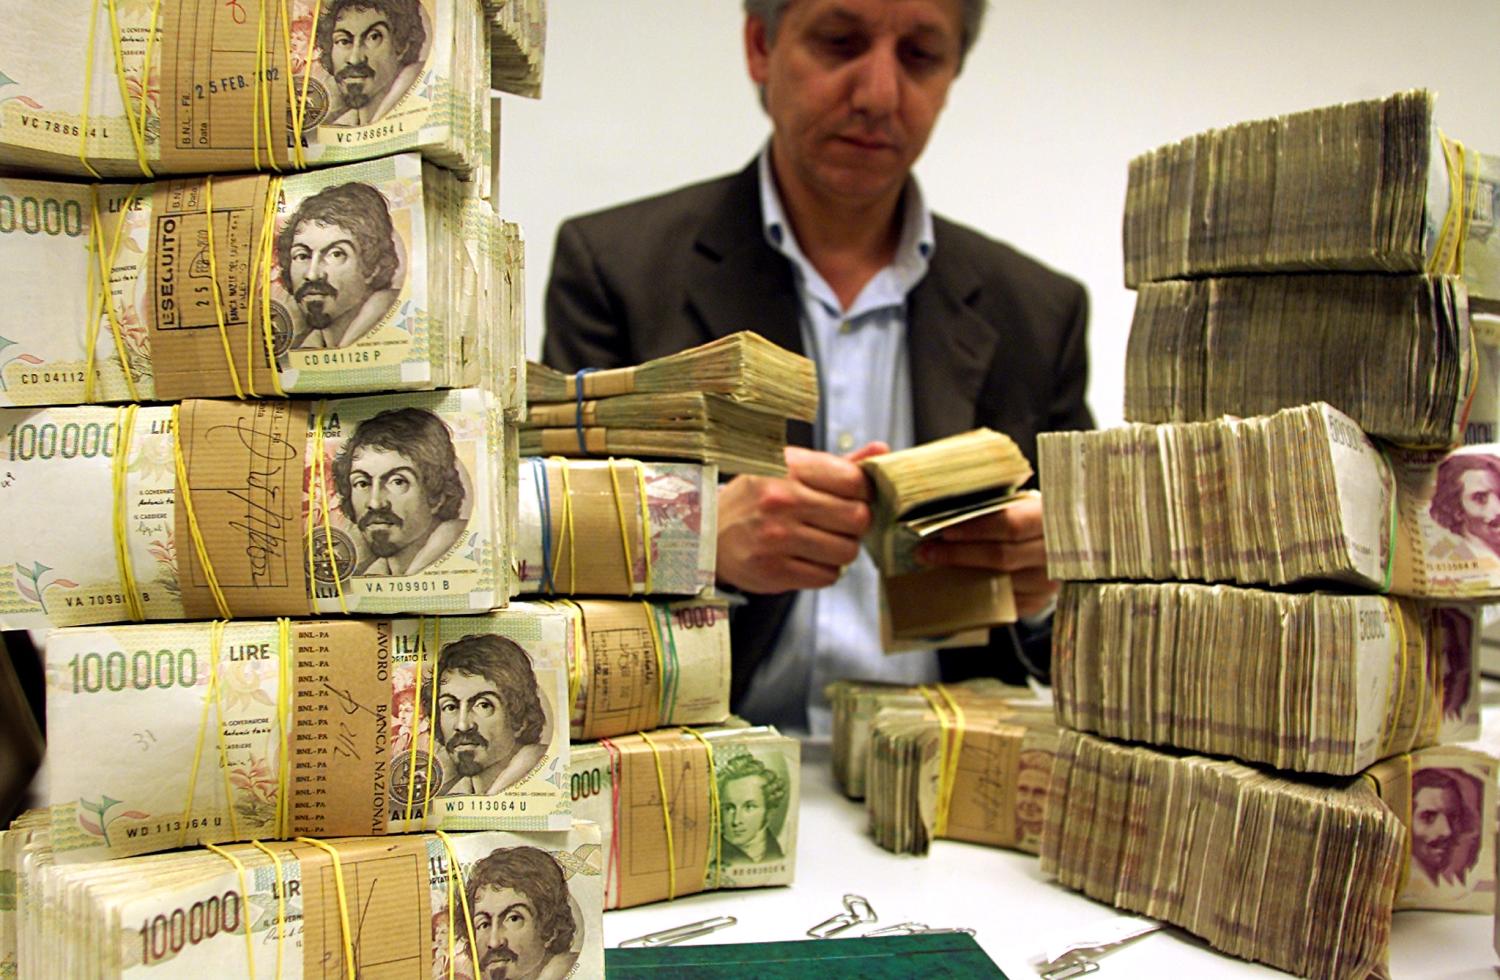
(1302, 875)
(1400, 355)
(1313, 682)
(1367, 187)
(725, 402)
(258, 730)
(518, 39)
(368, 277)
(635, 666)
(424, 905)
(1298, 495)
(919, 493)
(683, 811)
(585, 529)
(383, 504)
(855, 705)
(137, 91)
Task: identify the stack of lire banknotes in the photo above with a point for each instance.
(261, 397)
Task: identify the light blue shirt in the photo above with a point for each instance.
(865, 385)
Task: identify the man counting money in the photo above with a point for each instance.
(920, 328)
(398, 481)
(523, 925)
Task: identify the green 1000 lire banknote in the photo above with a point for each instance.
(133, 90)
(386, 504)
(367, 277)
(174, 734)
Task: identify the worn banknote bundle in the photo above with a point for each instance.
(855, 705)
(683, 811)
(255, 730)
(585, 528)
(744, 367)
(1362, 187)
(1312, 682)
(188, 86)
(374, 276)
(919, 493)
(1298, 495)
(384, 504)
(423, 905)
(976, 772)
(1401, 355)
(635, 666)
(518, 40)
(692, 425)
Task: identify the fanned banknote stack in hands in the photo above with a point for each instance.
(518, 41)
(137, 91)
(584, 528)
(369, 277)
(635, 666)
(383, 504)
(1362, 187)
(413, 906)
(683, 811)
(1312, 682)
(725, 402)
(919, 493)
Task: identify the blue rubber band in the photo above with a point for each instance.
(544, 501)
(583, 449)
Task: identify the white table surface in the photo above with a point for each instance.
(1001, 895)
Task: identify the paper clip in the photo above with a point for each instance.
(911, 929)
(1076, 968)
(692, 930)
(857, 909)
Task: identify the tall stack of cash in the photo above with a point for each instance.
(726, 402)
(1353, 469)
(419, 905)
(518, 36)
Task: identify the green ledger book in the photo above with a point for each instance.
(932, 956)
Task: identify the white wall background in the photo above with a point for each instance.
(641, 96)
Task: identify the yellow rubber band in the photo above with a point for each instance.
(239, 867)
(307, 60)
(280, 903)
(107, 295)
(97, 292)
(187, 504)
(234, 827)
(213, 279)
(146, 69)
(88, 92)
(261, 281)
(566, 531)
(455, 870)
(215, 635)
(666, 817)
(614, 482)
(715, 826)
(120, 466)
(416, 715)
(338, 883)
(640, 480)
(427, 793)
(284, 730)
(661, 668)
(137, 137)
(575, 663)
(950, 742)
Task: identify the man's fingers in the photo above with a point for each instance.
(866, 451)
(1018, 522)
(1033, 591)
(827, 473)
(791, 502)
(1000, 557)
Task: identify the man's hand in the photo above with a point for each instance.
(797, 531)
(1010, 541)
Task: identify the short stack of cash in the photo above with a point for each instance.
(136, 91)
(683, 810)
(726, 402)
(1328, 796)
(374, 276)
(412, 906)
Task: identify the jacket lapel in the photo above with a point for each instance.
(949, 345)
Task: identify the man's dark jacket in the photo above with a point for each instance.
(993, 338)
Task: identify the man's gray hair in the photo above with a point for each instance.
(770, 11)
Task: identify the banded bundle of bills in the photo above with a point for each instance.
(919, 493)
(676, 425)
(386, 504)
(744, 367)
(518, 38)
(977, 773)
(749, 775)
(368, 277)
(855, 704)
(1400, 355)
(134, 91)
(668, 543)
(1307, 682)
(251, 730)
(1368, 186)
(414, 906)
(635, 666)
(1298, 495)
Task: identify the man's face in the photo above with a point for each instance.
(327, 277)
(853, 88)
(1432, 822)
(476, 730)
(365, 56)
(390, 503)
(742, 807)
(511, 947)
(1031, 799)
(1481, 502)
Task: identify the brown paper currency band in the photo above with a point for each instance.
(629, 671)
(380, 890)
(605, 507)
(602, 384)
(660, 799)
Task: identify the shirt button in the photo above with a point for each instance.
(846, 441)
(846, 327)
